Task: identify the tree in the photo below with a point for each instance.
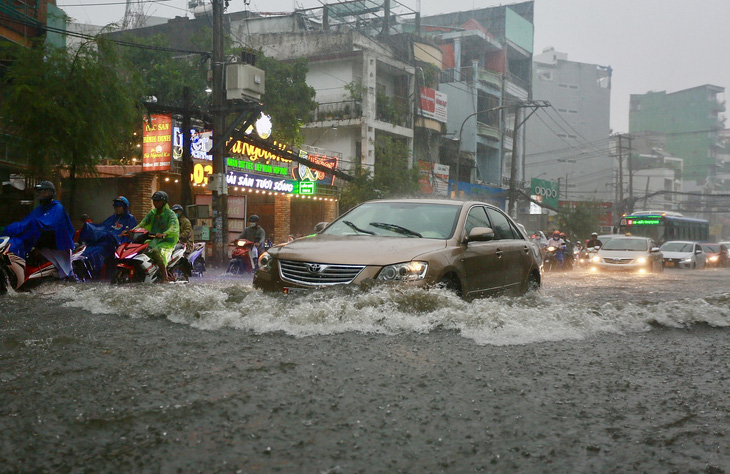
(68, 108)
(579, 221)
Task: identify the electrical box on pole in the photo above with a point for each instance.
(244, 81)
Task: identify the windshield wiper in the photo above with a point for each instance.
(395, 228)
(357, 229)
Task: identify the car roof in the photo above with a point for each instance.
(451, 202)
(681, 242)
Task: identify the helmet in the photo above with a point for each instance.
(562, 234)
(253, 218)
(177, 207)
(45, 185)
(121, 201)
(595, 234)
(557, 232)
(159, 196)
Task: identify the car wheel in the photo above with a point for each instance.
(532, 284)
(450, 283)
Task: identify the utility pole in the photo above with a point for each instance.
(534, 105)
(631, 177)
(621, 174)
(186, 191)
(220, 204)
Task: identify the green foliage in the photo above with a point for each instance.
(68, 108)
(288, 98)
(393, 177)
(579, 222)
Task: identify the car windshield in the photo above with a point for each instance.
(711, 248)
(398, 219)
(677, 247)
(625, 244)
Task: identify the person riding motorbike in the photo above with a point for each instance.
(186, 228)
(47, 228)
(256, 234)
(161, 222)
(594, 242)
(569, 247)
(102, 239)
(559, 244)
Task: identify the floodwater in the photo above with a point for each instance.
(592, 373)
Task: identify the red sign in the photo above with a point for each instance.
(157, 143)
(433, 104)
(303, 172)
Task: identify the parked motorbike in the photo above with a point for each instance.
(241, 262)
(133, 265)
(20, 274)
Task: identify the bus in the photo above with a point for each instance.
(665, 225)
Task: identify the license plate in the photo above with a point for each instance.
(669, 264)
(295, 291)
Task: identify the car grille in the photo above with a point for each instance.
(673, 260)
(618, 261)
(318, 274)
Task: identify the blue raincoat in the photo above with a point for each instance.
(102, 239)
(52, 216)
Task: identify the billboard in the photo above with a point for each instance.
(433, 178)
(433, 104)
(157, 143)
(201, 142)
(545, 191)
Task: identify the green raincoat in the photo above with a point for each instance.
(162, 222)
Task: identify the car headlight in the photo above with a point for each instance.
(265, 261)
(714, 258)
(596, 259)
(641, 260)
(687, 260)
(404, 271)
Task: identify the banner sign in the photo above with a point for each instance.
(244, 165)
(200, 144)
(265, 183)
(157, 143)
(433, 104)
(547, 192)
(302, 172)
(433, 178)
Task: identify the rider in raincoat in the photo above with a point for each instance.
(162, 222)
(102, 239)
(48, 219)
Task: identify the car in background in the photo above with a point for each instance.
(629, 254)
(683, 254)
(717, 254)
(470, 247)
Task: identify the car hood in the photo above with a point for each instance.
(676, 254)
(623, 253)
(356, 249)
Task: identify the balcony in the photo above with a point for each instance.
(340, 110)
(489, 131)
(516, 87)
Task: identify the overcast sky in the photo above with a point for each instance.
(652, 45)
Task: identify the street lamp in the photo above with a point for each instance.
(458, 140)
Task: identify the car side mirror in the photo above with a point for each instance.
(655, 249)
(320, 226)
(697, 252)
(480, 234)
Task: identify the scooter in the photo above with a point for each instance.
(241, 262)
(133, 265)
(20, 275)
(197, 259)
(550, 262)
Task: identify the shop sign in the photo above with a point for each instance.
(255, 153)
(433, 178)
(245, 165)
(157, 143)
(303, 172)
(265, 183)
(200, 144)
(201, 171)
(546, 191)
(305, 188)
(433, 104)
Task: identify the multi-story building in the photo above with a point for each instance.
(691, 119)
(567, 142)
(487, 57)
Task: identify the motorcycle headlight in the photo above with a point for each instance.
(596, 259)
(404, 271)
(641, 260)
(551, 248)
(265, 261)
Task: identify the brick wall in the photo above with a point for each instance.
(282, 218)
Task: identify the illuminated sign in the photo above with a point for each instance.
(644, 221)
(201, 171)
(200, 144)
(245, 165)
(157, 143)
(303, 172)
(305, 187)
(255, 153)
(266, 183)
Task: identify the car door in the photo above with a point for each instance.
(700, 256)
(481, 261)
(515, 250)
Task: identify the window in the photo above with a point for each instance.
(500, 225)
(476, 218)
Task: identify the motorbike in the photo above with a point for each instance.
(197, 259)
(133, 265)
(21, 274)
(241, 262)
(550, 262)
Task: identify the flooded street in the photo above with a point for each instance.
(592, 374)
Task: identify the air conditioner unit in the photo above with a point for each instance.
(244, 80)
